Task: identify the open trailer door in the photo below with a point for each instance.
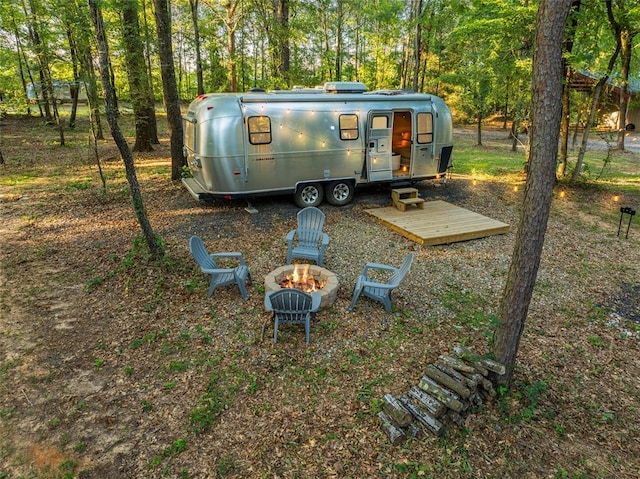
(379, 145)
(423, 154)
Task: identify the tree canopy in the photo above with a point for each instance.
(475, 53)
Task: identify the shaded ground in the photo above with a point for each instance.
(111, 366)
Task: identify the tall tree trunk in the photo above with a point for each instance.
(92, 93)
(75, 86)
(153, 243)
(417, 44)
(626, 43)
(515, 125)
(339, 39)
(566, 106)
(596, 93)
(170, 87)
(282, 49)
(21, 65)
(42, 56)
(546, 115)
(151, 100)
(136, 73)
(193, 5)
(34, 35)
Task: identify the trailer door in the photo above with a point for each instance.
(424, 162)
(379, 145)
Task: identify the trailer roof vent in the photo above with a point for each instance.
(345, 87)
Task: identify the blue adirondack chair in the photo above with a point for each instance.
(376, 290)
(308, 241)
(220, 276)
(291, 306)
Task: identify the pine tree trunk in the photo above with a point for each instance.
(546, 113)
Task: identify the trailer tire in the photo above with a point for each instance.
(339, 193)
(308, 194)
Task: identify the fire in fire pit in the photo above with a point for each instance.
(301, 279)
(308, 278)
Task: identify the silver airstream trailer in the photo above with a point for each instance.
(313, 143)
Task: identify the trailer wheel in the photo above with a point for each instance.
(309, 194)
(339, 193)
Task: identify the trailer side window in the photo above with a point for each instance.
(259, 130)
(348, 127)
(425, 127)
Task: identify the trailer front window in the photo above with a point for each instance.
(348, 127)
(425, 127)
(189, 128)
(259, 130)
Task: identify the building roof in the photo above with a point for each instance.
(584, 80)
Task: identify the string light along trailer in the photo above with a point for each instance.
(314, 144)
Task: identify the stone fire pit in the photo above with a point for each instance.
(328, 293)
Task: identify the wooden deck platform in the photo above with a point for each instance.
(438, 223)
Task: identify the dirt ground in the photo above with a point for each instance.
(112, 366)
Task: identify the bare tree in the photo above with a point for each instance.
(546, 115)
(153, 243)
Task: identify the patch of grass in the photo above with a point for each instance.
(146, 406)
(475, 162)
(16, 180)
(80, 446)
(92, 284)
(596, 341)
(226, 465)
(68, 468)
(6, 367)
(178, 366)
(78, 185)
(211, 404)
(177, 446)
(522, 402)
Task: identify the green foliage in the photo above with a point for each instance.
(210, 406)
(186, 172)
(178, 446)
(93, 284)
(522, 402)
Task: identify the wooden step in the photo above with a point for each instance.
(405, 191)
(401, 197)
(404, 202)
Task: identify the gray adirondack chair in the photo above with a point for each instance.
(376, 290)
(220, 276)
(308, 241)
(291, 306)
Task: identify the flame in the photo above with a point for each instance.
(300, 273)
(301, 278)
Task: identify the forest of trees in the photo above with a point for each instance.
(477, 54)
(484, 57)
